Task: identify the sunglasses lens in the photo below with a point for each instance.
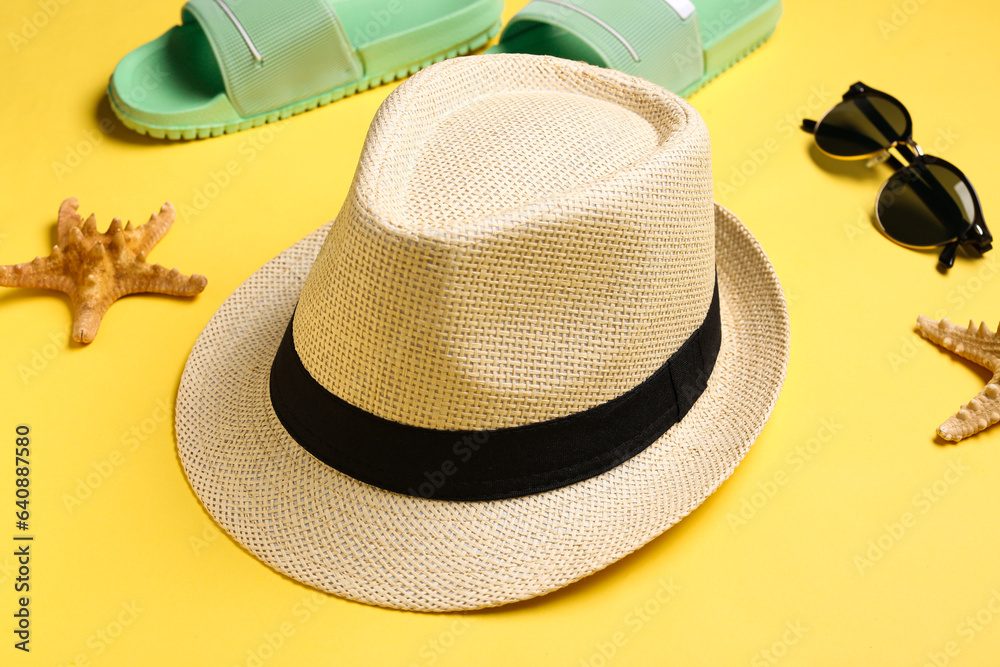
(926, 205)
(861, 126)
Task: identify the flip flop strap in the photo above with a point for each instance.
(273, 53)
(658, 40)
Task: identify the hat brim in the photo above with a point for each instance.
(340, 535)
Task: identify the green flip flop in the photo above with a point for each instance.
(678, 44)
(235, 64)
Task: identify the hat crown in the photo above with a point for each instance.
(503, 259)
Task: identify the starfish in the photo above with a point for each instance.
(96, 269)
(982, 346)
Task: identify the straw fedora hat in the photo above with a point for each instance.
(528, 344)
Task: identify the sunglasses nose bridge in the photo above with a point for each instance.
(908, 150)
(908, 145)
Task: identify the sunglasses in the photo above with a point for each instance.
(927, 202)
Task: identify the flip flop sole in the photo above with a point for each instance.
(709, 78)
(680, 52)
(372, 81)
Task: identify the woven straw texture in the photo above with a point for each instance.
(523, 241)
(525, 238)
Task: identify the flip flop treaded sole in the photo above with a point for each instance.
(204, 131)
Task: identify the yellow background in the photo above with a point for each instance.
(820, 549)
